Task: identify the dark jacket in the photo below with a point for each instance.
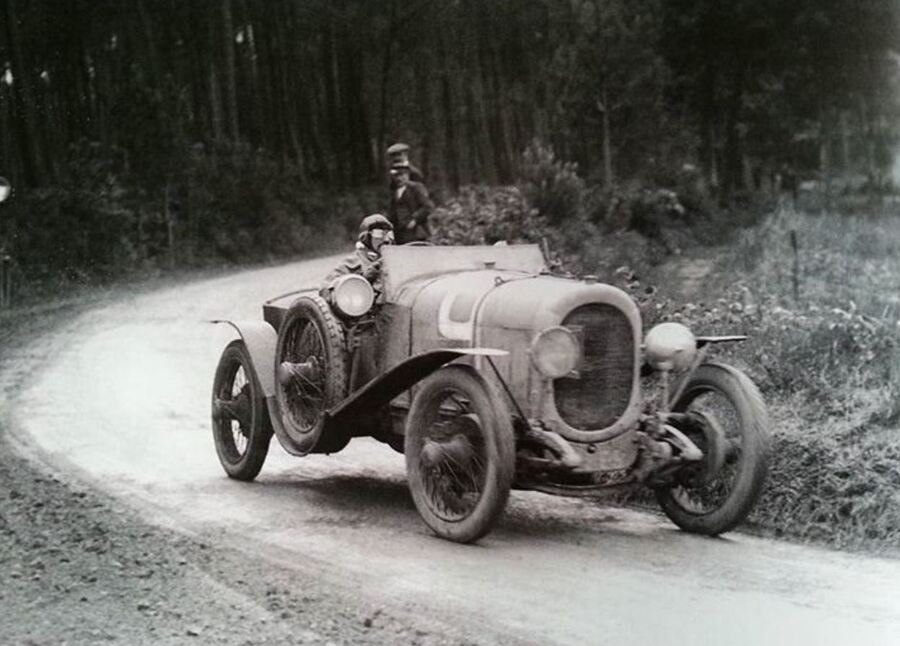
(362, 261)
(409, 213)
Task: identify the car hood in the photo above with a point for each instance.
(455, 309)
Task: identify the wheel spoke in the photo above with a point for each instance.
(453, 462)
(306, 397)
(712, 493)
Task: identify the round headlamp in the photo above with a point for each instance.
(555, 352)
(670, 346)
(352, 295)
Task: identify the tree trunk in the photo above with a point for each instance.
(451, 148)
(25, 107)
(333, 102)
(733, 139)
(845, 141)
(387, 61)
(215, 104)
(170, 226)
(230, 71)
(608, 177)
(150, 47)
(709, 139)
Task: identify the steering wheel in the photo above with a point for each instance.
(417, 243)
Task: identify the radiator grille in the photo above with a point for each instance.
(601, 392)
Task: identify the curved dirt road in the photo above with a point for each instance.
(124, 405)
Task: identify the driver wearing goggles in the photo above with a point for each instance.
(375, 231)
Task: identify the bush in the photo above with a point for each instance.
(225, 204)
(550, 186)
(81, 229)
(485, 215)
(828, 364)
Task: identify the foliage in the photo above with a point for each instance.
(550, 185)
(80, 228)
(228, 130)
(828, 364)
(226, 205)
(483, 215)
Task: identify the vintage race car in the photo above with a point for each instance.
(489, 372)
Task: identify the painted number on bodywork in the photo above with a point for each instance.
(456, 316)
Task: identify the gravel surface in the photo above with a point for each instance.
(80, 569)
(116, 523)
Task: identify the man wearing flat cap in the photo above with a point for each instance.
(398, 153)
(410, 206)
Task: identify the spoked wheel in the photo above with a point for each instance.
(240, 421)
(459, 453)
(311, 372)
(734, 435)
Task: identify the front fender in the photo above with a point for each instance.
(260, 339)
(383, 389)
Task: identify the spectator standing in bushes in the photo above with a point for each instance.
(410, 206)
(398, 153)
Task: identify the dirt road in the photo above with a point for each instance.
(122, 407)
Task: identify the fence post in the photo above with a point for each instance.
(795, 246)
(5, 280)
(8, 276)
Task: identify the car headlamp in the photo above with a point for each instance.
(670, 346)
(555, 352)
(352, 295)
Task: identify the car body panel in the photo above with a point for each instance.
(404, 264)
(388, 385)
(260, 338)
(507, 309)
(501, 297)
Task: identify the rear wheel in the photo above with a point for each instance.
(713, 501)
(240, 421)
(459, 453)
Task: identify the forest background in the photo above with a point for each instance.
(734, 164)
(160, 133)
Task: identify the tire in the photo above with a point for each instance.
(724, 499)
(311, 339)
(240, 420)
(460, 453)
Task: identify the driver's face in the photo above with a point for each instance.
(380, 237)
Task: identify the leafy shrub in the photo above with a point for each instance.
(485, 215)
(828, 364)
(225, 204)
(550, 185)
(80, 229)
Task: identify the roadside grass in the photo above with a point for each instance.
(826, 355)
(819, 298)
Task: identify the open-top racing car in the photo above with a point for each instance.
(490, 372)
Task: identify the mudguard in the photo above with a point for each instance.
(383, 389)
(260, 338)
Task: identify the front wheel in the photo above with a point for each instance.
(459, 453)
(240, 421)
(311, 374)
(713, 503)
